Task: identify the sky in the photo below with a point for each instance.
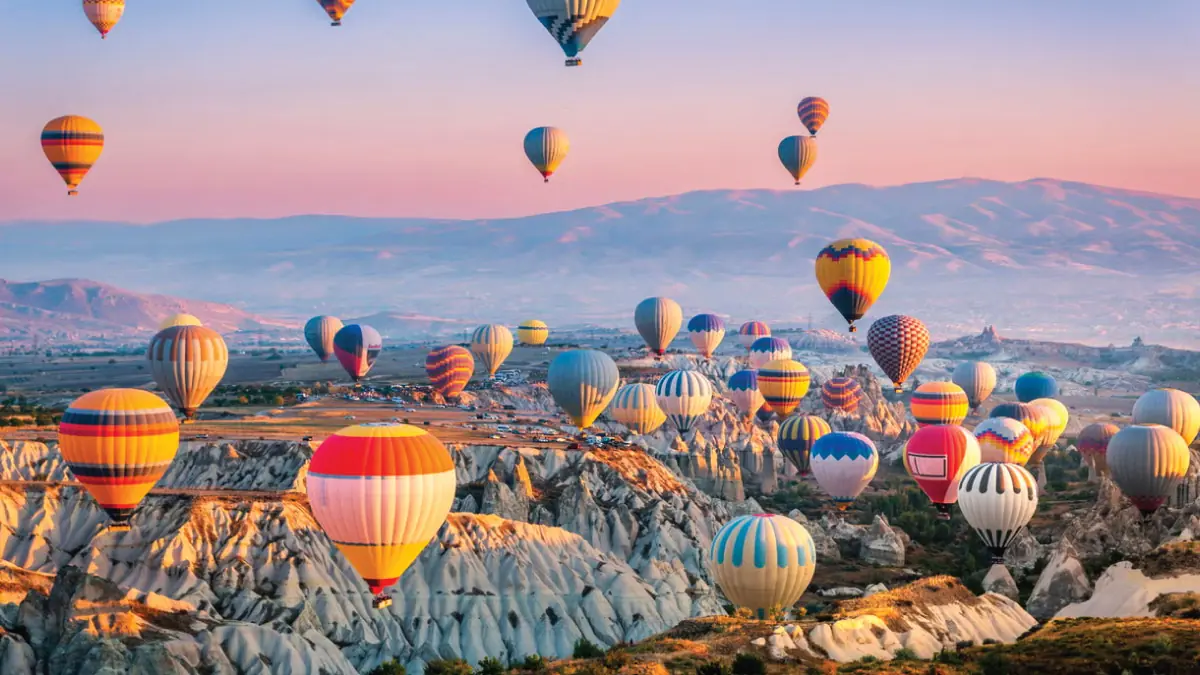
(260, 109)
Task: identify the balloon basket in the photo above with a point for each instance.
(336, 23)
(575, 62)
(72, 193)
(853, 328)
(381, 602)
(118, 527)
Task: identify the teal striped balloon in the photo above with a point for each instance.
(583, 382)
(763, 561)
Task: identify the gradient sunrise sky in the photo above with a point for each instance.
(418, 108)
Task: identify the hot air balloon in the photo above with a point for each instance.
(976, 378)
(72, 144)
(533, 333)
(898, 344)
(104, 14)
(853, 273)
(685, 396)
(936, 457)
(1093, 444)
(1056, 415)
(798, 154)
(706, 331)
(179, 320)
(336, 9)
(658, 321)
(783, 383)
(187, 363)
(1147, 461)
(762, 562)
(319, 332)
(356, 348)
(796, 438)
(767, 349)
(1035, 385)
(582, 382)
(492, 343)
(1171, 408)
(764, 413)
(750, 331)
(450, 369)
(573, 23)
(1004, 440)
(636, 406)
(743, 391)
(381, 492)
(844, 462)
(939, 403)
(546, 148)
(118, 443)
(842, 394)
(998, 500)
(1035, 419)
(813, 112)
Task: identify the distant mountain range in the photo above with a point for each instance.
(1041, 258)
(69, 308)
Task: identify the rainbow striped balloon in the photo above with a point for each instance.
(763, 561)
(118, 443)
(336, 9)
(751, 331)
(381, 492)
(72, 144)
(187, 363)
(1036, 420)
(1003, 440)
(1093, 444)
(450, 369)
(939, 403)
(783, 383)
(842, 394)
(767, 349)
(797, 436)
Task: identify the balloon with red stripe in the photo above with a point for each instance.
(381, 492)
(939, 403)
(450, 369)
(118, 443)
(936, 457)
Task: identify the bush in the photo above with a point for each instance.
(905, 654)
(748, 664)
(949, 658)
(490, 665)
(584, 649)
(615, 660)
(392, 667)
(713, 668)
(994, 663)
(533, 663)
(449, 667)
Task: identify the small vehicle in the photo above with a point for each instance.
(306, 438)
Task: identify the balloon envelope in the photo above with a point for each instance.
(319, 332)
(796, 438)
(636, 406)
(685, 396)
(356, 348)
(179, 320)
(939, 403)
(492, 343)
(1147, 461)
(842, 394)
(977, 379)
(707, 331)
(783, 383)
(336, 9)
(743, 391)
(762, 562)
(1035, 385)
(1171, 408)
(936, 457)
(546, 148)
(104, 14)
(798, 154)
(187, 363)
(844, 462)
(813, 111)
(573, 23)
(658, 321)
(1035, 419)
(381, 492)
(898, 344)
(853, 274)
(1004, 440)
(72, 144)
(582, 382)
(751, 331)
(1093, 444)
(1057, 416)
(998, 500)
(118, 443)
(767, 349)
(450, 369)
(533, 333)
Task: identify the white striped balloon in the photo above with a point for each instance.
(685, 396)
(998, 500)
(636, 406)
(492, 343)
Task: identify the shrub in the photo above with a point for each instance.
(392, 667)
(949, 658)
(776, 613)
(490, 665)
(584, 649)
(743, 613)
(994, 663)
(533, 663)
(905, 654)
(615, 660)
(713, 668)
(748, 664)
(448, 667)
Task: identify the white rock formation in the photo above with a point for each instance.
(1062, 582)
(1123, 591)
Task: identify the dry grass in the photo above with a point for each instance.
(891, 606)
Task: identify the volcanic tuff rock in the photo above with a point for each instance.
(1137, 588)
(1000, 581)
(1061, 583)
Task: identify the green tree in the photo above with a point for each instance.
(392, 667)
(490, 665)
(448, 667)
(585, 649)
(749, 664)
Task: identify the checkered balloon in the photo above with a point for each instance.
(898, 344)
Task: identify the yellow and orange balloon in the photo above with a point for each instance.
(118, 443)
(104, 14)
(853, 274)
(72, 144)
(381, 492)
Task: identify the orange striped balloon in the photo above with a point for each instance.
(783, 383)
(381, 492)
(188, 362)
(118, 443)
(72, 144)
(939, 403)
